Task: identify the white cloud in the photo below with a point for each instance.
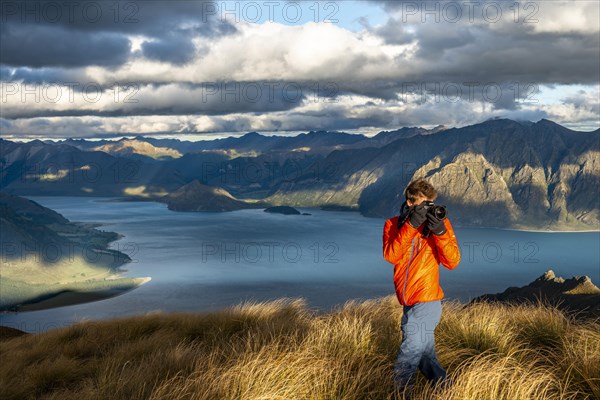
(271, 51)
(565, 16)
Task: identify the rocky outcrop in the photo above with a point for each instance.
(577, 294)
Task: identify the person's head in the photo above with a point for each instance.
(419, 191)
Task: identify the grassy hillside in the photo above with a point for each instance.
(284, 350)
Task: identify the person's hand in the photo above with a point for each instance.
(418, 215)
(435, 224)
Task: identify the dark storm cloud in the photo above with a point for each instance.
(5, 124)
(71, 34)
(41, 46)
(173, 48)
(565, 58)
(485, 51)
(394, 33)
(436, 40)
(152, 18)
(503, 95)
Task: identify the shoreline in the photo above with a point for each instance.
(69, 297)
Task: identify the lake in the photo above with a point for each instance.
(206, 261)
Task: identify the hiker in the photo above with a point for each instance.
(416, 242)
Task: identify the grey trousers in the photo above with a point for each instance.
(417, 349)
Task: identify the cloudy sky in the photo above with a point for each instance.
(199, 69)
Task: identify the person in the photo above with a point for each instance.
(416, 242)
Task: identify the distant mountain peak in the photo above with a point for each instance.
(252, 134)
(545, 121)
(524, 122)
(500, 120)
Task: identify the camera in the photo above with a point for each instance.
(405, 211)
(439, 212)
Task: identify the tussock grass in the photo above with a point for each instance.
(284, 350)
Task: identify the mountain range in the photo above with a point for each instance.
(498, 173)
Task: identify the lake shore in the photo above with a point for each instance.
(72, 297)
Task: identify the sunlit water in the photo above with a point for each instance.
(206, 261)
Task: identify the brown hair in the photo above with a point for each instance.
(418, 188)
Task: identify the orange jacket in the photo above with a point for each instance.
(417, 259)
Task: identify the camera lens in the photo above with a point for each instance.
(440, 212)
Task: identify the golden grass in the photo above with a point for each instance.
(284, 350)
